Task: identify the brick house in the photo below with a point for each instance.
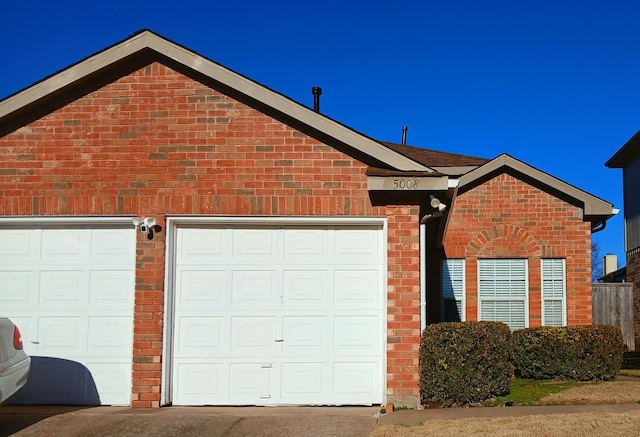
(177, 234)
(628, 159)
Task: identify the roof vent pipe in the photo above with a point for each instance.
(316, 91)
(404, 135)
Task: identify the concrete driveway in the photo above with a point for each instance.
(188, 421)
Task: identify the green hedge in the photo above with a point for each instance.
(582, 353)
(463, 363)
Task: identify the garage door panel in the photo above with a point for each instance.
(357, 286)
(305, 287)
(251, 287)
(305, 245)
(357, 333)
(203, 246)
(63, 287)
(109, 336)
(198, 381)
(202, 336)
(253, 335)
(113, 378)
(249, 244)
(17, 286)
(112, 246)
(57, 335)
(305, 335)
(111, 287)
(65, 246)
(250, 382)
(306, 382)
(71, 295)
(18, 246)
(354, 381)
(356, 246)
(202, 287)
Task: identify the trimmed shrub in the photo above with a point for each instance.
(583, 353)
(465, 362)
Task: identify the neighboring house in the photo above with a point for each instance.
(628, 159)
(285, 259)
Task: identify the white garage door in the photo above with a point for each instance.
(71, 290)
(266, 316)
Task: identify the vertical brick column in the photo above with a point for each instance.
(148, 320)
(403, 322)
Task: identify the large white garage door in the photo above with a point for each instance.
(293, 315)
(71, 290)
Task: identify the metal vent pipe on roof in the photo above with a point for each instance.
(404, 135)
(316, 91)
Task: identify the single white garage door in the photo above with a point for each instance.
(293, 315)
(70, 290)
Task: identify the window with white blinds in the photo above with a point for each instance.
(502, 291)
(453, 290)
(553, 292)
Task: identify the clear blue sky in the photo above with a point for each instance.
(553, 83)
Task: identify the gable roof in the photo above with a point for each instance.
(627, 152)
(146, 47)
(596, 210)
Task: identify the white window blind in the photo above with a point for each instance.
(553, 292)
(502, 291)
(453, 290)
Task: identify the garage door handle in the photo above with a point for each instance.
(35, 342)
(279, 341)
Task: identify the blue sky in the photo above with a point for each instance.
(552, 83)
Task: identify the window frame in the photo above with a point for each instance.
(462, 291)
(544, 261)
(525, 297)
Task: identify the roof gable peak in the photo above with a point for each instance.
(144, 47)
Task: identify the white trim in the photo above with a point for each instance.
(526, 285)
(423, 277)
(174, 222)
(29, 221)
(463, 299)
(259, 220)
(564, 289)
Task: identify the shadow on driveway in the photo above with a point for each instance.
(14, 419)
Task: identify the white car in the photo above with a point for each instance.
(14, 362)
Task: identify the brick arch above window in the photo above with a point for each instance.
(503, 240)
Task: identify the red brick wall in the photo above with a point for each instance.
(507, 218)
(155, 143)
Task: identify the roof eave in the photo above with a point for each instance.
(625, 153)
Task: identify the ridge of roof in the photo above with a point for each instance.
(144, 47)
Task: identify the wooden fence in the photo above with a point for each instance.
(612, 304)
